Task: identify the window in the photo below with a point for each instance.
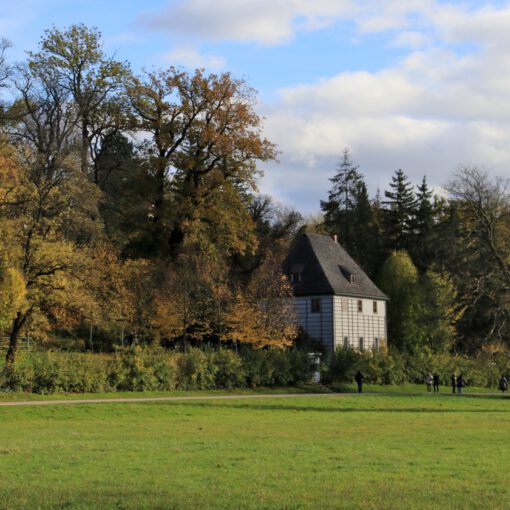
(346, 342)
(360, 305)
(375, 306)
(316, 305)
(295, 277)
(347, 273)
(361, 344)
(376, 344)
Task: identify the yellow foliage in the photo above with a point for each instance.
(12, 294)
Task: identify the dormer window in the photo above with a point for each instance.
(295, 273)
(347, 274)
(295, 277)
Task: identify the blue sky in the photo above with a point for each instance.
(421, 85)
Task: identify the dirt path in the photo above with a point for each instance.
(128, 400)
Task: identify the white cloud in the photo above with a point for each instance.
(271, 22)
(191, 58)
(264, 21)
(435, 109)
(411, 39)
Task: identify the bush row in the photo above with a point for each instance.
(155, 369)
(396, 368)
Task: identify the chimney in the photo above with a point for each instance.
(335, 238)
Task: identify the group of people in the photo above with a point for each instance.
(432, 381)
(457, 383)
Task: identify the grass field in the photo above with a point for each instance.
(352, 451)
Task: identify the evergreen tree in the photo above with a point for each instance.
(422, 250)
(339, 208)
(366, 236)
(400, 212)
(348, 213)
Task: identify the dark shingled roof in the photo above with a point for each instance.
(326, 268)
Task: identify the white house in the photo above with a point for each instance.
(335, 300)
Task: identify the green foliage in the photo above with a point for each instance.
(230, 373)
(399, 280)
(402, 368)
(155, 370)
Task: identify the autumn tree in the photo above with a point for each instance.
(272, 293)
(202, 153)
(12, 284)
(52, 207)
(192, 304)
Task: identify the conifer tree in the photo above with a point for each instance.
(422, 249)
(348, 212)
(400, 212)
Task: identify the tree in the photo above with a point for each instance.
(192, 304)
(341, 203)
(51, 208)
(398, 279)
(275, 228)
(4, 72)
(202, 154)
(74, 59)
(348, 213)
(271, 293)
(399, 213)
(482, 206)
(422, 249)
(442, 310)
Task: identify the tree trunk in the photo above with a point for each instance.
(17, 324)
(85, 148)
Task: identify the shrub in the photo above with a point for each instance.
(229, 370)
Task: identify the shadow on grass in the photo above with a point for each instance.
(331, 409)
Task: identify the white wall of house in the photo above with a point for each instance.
(359, 323)
(339, 321)
(318, 325)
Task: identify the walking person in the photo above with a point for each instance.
(460, 384)
(454, 382)
(503, 383)
(359, 379)
(429, 380)
(436, 382)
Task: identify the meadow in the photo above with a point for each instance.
(326, 451)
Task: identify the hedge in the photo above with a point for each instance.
(154, 369)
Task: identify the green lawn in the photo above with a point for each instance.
(353, 451)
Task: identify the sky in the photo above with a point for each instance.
(422, 85)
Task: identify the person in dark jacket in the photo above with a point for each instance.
(436, 382)
(454, 383)
(460, 384)
(503, 383)
(359, 379)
